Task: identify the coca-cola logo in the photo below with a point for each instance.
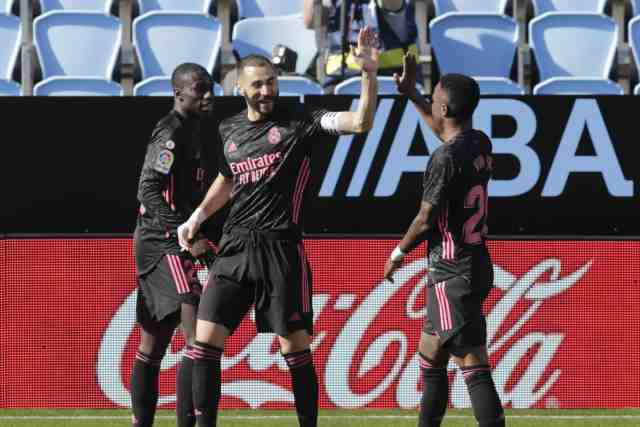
(372, 352)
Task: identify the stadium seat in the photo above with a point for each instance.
(353, 86)
(260, 35)
(77, 86)
(259, 8)
(9, 88)
(103, 6)
(634, 42)
(10, 38)
(197, 6)
(485, 6)
(77, 44)
(636, 90)
(498, 86)
(482, 45)
(574, 47)
(5, 7)
(163, 40)
(161, 86)
(635, 7)
(577, 86)
(591, 6)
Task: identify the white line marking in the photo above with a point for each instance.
(335, 417)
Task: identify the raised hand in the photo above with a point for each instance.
(406, 83)
(366, 54)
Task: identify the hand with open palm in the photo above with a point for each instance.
(406, 83)
(366, 54)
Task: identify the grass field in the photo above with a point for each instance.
(363, 418)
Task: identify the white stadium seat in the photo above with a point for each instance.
(591, 6)
(78, 44)
(572, 47)
(353, 86)
(10, 38)
(197, 6)
(161, 86)
(163, 40)
(261, 35)
(5, 7)
(103, 6)
(77, 86)
(486, 6)
(482, 45)
(258, 8)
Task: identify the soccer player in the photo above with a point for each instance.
(261, 259)
(452, 218)
(172, 182)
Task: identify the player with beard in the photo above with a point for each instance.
(261, 262)
(179, 165)
(453, 220)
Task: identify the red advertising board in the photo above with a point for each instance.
(563, 328)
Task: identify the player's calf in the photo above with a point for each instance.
(484, 398)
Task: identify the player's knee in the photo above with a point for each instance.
(211, 333)
(470, 356)
(297, 341)
(431, 348)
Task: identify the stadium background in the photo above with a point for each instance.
(564, 325)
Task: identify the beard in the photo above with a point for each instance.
(263, 106)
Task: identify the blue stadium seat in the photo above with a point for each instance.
(574, 47)
(78, 44)
(634, 42)
(591, 6)
(103, 6)
(635, 7)
(485, 6)
(77, 86)
(197, 6)
(5, 7)
(163, 40)
(161, 86)
(259, 8)
(10, 38)
(482, 45)
(353, 86)
(498, 86)
(260, 35)
(9, 88)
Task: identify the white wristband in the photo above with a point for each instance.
(198, 216)
(397, 254)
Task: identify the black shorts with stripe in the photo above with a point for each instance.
(268, 269)
(162, 291)
(454, 307)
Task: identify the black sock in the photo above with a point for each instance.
(484, 398)
(435, 393)
(184, 394)
(305, 386)
(144, 389)
(206, 383)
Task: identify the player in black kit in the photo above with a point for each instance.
(261, 259)
(179, 165)
(453, 220)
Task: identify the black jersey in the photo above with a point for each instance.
(269, 162)
(455, 183)
(178, 167)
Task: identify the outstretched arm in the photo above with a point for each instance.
(366, 56)
(406, 84)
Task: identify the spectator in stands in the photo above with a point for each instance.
(392, 20)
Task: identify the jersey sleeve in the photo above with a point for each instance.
(438, 177)
(160, 163)
(223, 164)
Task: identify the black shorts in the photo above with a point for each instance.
(162, 291)
(268, 269)
(454, 308)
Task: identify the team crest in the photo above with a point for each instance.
(274, 135)
(164, 161)
(232, 147)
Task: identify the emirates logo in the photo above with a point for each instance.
(274, 135)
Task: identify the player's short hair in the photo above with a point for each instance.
(253, 60)
(186, 69)
(463, 93)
